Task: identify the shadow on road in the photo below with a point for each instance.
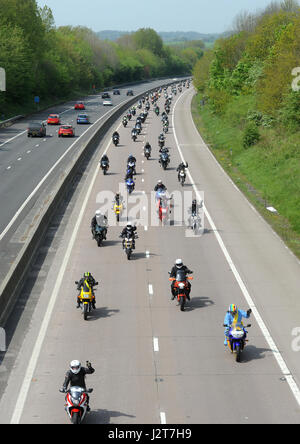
(104, 416)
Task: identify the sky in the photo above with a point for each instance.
(204, 16)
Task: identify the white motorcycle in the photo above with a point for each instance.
(76, 404)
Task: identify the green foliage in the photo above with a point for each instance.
(251, 135)
(51, 62)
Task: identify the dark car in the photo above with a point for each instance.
(116, 92)
(36, 129)
(130, 92)
(105, 95)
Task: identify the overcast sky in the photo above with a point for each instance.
(206, 16)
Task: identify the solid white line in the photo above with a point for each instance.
(46, 177)
(280, 361)
(163, 419)
(155, 344)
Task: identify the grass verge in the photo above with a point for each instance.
(268, 173)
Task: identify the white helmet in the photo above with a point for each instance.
(75, 367)
(98, 213)
(179, 263)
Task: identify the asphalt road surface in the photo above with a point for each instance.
(155, 364)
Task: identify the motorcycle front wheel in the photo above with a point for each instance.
(75, 418)
(182, 303)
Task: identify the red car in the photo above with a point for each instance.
(79, 105)
(53, 119)
(66, 130)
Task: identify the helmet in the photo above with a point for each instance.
(159, 182)
(98, 213)
(129, 225)
(233, 308)
(179, 263)
(86, 274)
(75, 367)
(194, 202)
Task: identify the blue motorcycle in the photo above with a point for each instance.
(236, 339)
(130, 185)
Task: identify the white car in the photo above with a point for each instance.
(107, 102)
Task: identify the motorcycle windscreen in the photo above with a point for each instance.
(180, 275)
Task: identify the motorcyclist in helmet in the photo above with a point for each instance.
(76, 377)
(129, 232)
(86, 283)
(234, 315)
(160, 186)
(99, 220)
(181, 167)
(116, 134)
(179, 266)
(104, 158)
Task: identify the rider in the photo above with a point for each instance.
(179, 266)
(85, 283)
(160, 186)
(104, 158)
(147, 146)
(181, 167)
(99, 220)
(76, 377)
(116, 134)
(129, 233)
(118, 199)
(234, 315)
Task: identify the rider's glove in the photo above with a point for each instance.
(249, 312)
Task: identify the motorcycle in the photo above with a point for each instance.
(181, 287)
(147, 152)
(157, 111)
(161, 143)
(118, 208)
(104, 164)
(134, 136)
(130, 185)
(195, 223)
(99, 235)
(76, 403)
(116, 140)
(163, 210)
(131, 166)
(165, 129)
(86, 299)
(164, 160)
(236, 339)
(128, 247)
(181, 177)
(125, 121)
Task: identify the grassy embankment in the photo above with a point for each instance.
(267, 173)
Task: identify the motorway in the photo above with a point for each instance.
(155, 364)
(24, 162)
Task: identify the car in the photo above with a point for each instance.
(107, 102)
(130, 92)
(83, 118)
(105, 95)
(79, 105)
(36, 129)
(116, 92)
(66, 130)
(53, 119)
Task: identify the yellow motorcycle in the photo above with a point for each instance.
(86, 298)
(118, 208)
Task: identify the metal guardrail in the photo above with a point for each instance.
(9, 122)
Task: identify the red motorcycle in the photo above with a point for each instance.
(163, 210)
(181, 287)
(76, 404)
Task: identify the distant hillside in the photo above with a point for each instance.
(168, 37)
